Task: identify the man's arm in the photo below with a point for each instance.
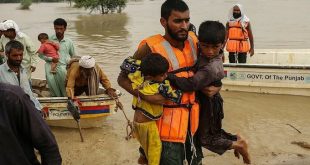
(226, 37)
(199, 81)
(33, 126)
(71, 75)
(125, 83)
(103, 78)
(71, 49)
(32, 52)
(251, 38)
(106, 83)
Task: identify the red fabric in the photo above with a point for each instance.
(49, 49)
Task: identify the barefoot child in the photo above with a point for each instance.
(209, 72)
(149, 78)
(49, 49)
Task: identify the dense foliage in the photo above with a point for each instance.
(25, 4)
(18, 1)
(104, 6)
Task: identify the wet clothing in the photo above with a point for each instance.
(174, 152)
(148, 137)
(22, 129)
(30, 58)
(75, 81)
(56, 81)
(147, 132)
(10, 77)
(210, 132)
(146, 87)
(208, 72)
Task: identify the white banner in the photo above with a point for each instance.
(270, 77)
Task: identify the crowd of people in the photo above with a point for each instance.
(24, 128)
(174, 78)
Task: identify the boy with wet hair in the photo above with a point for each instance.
(209, 71)
(148, 76)
(49, 49)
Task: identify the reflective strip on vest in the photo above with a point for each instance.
(194, 53)
(171, 54)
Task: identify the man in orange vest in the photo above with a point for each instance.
(239, 33)
(179, 122)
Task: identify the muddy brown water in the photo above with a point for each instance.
(263, 119)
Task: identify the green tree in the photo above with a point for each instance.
(104, 6)
(25, 4)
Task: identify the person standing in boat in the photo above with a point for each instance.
(22, 130)
(12, 72)
(12, 32)
(84, 75)
(56, 81)
(239, 37)
(209, 71)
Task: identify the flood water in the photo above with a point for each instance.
(263, 119)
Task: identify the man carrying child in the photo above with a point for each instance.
(49, 49)
(209, 72)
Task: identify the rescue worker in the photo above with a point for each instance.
(239, 38)
(179, 122)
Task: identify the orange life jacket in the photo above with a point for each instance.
(173, 125)
(237, 38)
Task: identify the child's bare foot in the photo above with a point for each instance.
(241, 147)
(142, 160)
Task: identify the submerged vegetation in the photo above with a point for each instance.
(104, 6)
(25, 4)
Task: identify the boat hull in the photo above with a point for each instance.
(264, 78)
(93, 109)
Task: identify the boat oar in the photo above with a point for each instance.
(74, 110)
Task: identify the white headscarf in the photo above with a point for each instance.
(1, 26)
(10, 24)
(243, 19)
(87, 62)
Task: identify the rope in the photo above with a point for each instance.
(129, 127)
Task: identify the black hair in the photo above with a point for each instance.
(60, 22)
(169, 5)
(13, 44)
(42, 36)
(154, 64)
(211, 32)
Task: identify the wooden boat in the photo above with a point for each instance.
(93, 109)
(271, 71)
